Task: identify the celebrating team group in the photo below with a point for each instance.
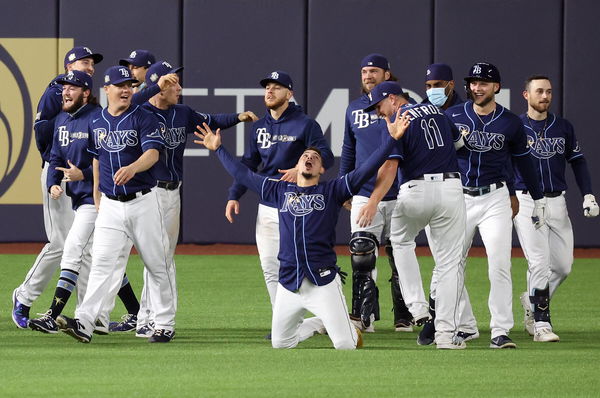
(111, 180)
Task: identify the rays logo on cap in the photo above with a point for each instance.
(70, 75)
(274, 75)
(88, 50)
(124, 72)
(168, 65)
(133, 54)
(153, 77)
(476, 69)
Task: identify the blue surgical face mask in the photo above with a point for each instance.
(437, 95)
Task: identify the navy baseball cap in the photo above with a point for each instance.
(381, 92)
(118, 75)
(158, 69)
(77, 53)
(138, 58)
(376, 60)
(76, 78)
(439, 72)
(279, 77)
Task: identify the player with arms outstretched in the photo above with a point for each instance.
(308, 212)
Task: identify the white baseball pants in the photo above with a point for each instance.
(58, 217)
(326, 302)
(141, 221)
(439, 204)
(549, 250)
(267, 243)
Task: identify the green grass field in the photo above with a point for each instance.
(219, 349)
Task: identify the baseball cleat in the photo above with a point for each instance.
(145, 331)
(359, 338)
(455, 344)
(466, 336)
(127, 324)
(74, 328)
(100, 328)
(162, 336)
(20, 312)
(421, 319)
(502, 341)
(528, 317)
(44, 324)
(545, 335)
(427, 334)
(403, 325)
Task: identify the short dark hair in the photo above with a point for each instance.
(314, 148)
(534, 77)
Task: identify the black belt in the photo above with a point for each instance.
(478, 191)
(453, 174)
(168, 185)
(552, 194)
(128, 197)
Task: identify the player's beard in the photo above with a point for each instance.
(76, 104)
(308, 176)
(541, 107)
(484, 101)
(276, 104)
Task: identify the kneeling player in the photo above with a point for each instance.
(308, 212)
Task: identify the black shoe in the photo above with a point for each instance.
(73, 328)
(161, 336)
(502, 341)
(427, 334)
(44, 324)
(468, 336)
(403, 325)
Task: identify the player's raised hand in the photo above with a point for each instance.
(166, 80)
(247, 116)
(55, 191)
(73, 173)
(210, 140)
(233, 207)
(289, 175)
(399, 126)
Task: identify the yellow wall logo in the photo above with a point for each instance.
(26, 68)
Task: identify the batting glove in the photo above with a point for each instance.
(539, 213)
(590, 207)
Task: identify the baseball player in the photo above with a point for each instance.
(308, 212)
(439, 86)
(430, 194)
(71, 162)
(58, 214)
(278, 139)
(492, 135)
(125, 142)
(176, 122)
(549, 250)
(358, 144)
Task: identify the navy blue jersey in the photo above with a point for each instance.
(553, 144)
(118, 141)
(427, 147)
(278, 144)
(484, 158)
(49, 107)
(176, 123)
(145, 93)
(71, 139)
(456, 100)
(362, 136)
(307, 216)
